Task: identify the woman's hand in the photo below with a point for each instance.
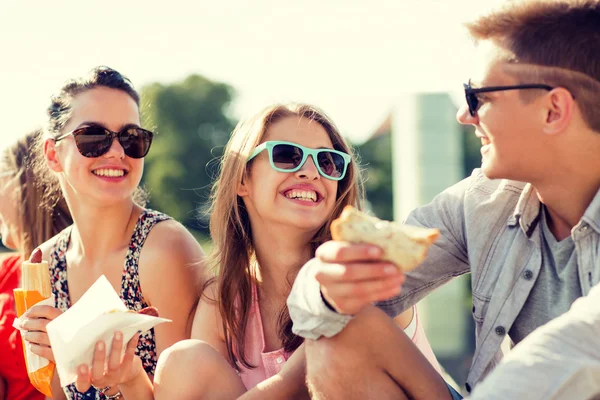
(34, 323)
(117, 371)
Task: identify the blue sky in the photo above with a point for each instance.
(352, 58)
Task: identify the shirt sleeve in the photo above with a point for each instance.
(447, 258)
(310, 315)
(559, 360)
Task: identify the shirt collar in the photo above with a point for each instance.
(592, 213)
(527, 210)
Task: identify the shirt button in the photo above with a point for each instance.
(500, 331)
(584, 228)
(528, 274)
(279, 360)
(468, 387)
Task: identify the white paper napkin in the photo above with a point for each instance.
(74, 333)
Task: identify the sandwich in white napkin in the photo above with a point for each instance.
(97, 315)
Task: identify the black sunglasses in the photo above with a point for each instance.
(473, 101)
(94, 141)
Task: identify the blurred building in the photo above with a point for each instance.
(430, 152)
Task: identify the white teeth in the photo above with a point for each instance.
(302, 195)
(109, 172)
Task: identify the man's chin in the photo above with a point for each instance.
(490, 172)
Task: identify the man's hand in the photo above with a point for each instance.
(354, 275)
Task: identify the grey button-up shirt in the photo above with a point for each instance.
(558, 361)
(489, 228)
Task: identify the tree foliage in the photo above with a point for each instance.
(192, 124)
(376, 164)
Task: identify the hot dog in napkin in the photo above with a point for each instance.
(97, 315)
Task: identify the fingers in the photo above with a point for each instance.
(42, 351)
(350, 298)
(354, 275)
(367, 290)
(83, 383)
(114, 359)
(130, 350)
(41, 311)
(109, 370)
(36, 324)
(36, 337)
(343, 252)
(357, 272)
(98, 365)
(37, 317)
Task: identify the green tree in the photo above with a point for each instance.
(192, 125)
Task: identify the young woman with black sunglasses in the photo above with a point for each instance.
(94, 152)
(286, 174)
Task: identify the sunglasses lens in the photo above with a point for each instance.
(287, 157)
(473, 103)
(136, 142)
(92, 141)
(331, 164)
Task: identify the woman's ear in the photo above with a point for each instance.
(242, 187)
(50, 154)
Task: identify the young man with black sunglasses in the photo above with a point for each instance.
(526, 225)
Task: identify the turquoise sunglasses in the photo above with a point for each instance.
(290, 157)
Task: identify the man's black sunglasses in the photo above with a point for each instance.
(473, 101)
(94, 141)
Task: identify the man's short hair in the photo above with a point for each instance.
(559, 38)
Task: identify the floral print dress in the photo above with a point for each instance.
(131, 292)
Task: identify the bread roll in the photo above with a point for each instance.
(403, 245)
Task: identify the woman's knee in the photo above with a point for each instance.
(183, 355)
(184, 369)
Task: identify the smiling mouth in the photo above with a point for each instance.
(109, 172)
(303, 195)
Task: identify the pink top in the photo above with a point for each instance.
(269, 364)
(415, 331)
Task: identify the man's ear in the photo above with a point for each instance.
(50, 154)
(559, 113)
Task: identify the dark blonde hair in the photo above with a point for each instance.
(230, 224)
(39, 220)
(559, 40)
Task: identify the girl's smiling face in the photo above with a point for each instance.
(304, 199)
